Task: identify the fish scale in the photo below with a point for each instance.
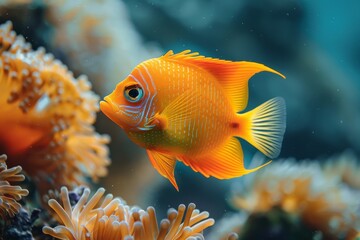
(203, 86)
(188, 110)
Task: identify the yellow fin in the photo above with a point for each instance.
(233, 76)
(159, 121)
(164, 164)
(176, 113)
(224, 162)
(264, 126)
(186, 54)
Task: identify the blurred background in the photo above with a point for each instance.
(315, 44)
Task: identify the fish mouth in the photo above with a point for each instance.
(106, 106)
(109, 109)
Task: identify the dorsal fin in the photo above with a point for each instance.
(184, 55)
(233, 76)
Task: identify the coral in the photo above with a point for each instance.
(301, 190)
(345, 168)
(110, 218)
(98, 39)
(47, 116)
(232, 224)
(9, 195)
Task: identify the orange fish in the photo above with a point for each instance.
(184, 107)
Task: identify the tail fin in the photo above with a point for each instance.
(264, 126)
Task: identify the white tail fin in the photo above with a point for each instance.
(264, 126)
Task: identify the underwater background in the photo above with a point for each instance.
(310, 192)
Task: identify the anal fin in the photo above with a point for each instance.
(164, 164)
(224, 162)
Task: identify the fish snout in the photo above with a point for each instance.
(110, 109)
(105, 106)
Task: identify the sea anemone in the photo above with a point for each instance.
(300, 190)
(47, 116)
(345, 167)
(227, 227)
(9, 195)
(110, 218)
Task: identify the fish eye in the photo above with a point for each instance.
(133, 93)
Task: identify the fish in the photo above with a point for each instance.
(187, 107)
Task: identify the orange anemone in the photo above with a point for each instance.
(46, 117)
(345, 167)
(9, 195)
(301, 189)
(110, 219)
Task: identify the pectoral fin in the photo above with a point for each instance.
(176, 113)
(164, 164)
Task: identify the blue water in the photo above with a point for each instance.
(315, 44)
